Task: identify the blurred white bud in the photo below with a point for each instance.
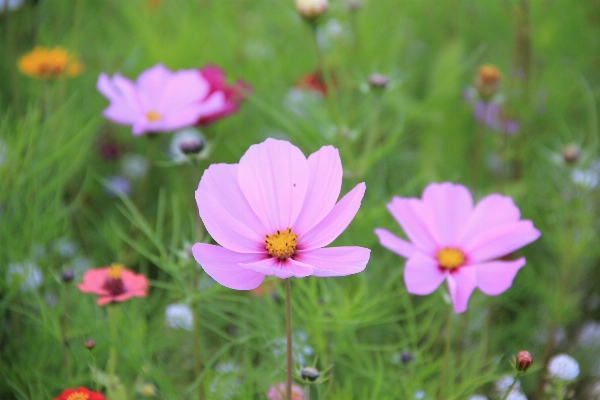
(311, 9)
(563, 367)
(179, 316)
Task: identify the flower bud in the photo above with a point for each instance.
(311, 9)
(89, 344)
(378, 81)
(487, 81)
(523, 361)
(571, 153)
(406, 357)
(67, 276)
(310, 374)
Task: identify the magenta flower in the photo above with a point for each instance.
(273, 213)
(234, 95)
(277, 392)
(452, 240)
(160, 100)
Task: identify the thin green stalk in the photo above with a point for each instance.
(373, 134)
(288, 326)
(63, 332)
(94, 371)
(446, 354)
(559, 392)
(478, 155)
(112, 356)
(510, 389)
(198, 367)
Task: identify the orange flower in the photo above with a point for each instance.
(114, 283)
(46, 63)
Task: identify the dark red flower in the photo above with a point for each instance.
(80, 393)
(234, 94)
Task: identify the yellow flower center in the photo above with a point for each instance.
(153, 116)
(450, 258)
(281, 244)
(78, 396)
(115, 271)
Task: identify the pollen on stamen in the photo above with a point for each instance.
(450, 258)
(153, 116)
(281, 244)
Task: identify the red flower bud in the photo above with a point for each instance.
(523, 360)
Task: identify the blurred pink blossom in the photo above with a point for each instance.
(277, 392)
(159, 100)
(273, 213)
(114, 283)
(234, 95)
(453, 240)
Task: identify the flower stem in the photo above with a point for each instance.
(63, 332)
(446, 354)
(112, 356)
(197, 351)
(288, 326)
(510, 389)
(478, 155)
(94, 371)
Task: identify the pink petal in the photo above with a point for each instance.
(496, 277)
(273, 176)
(416, 221)
(123, 108)
(335, 222)
(224, 266)
(500, 241)
(150, 85)
(189, 114)
(461, 284)
(491, 211)
(324, 185)
(134, 282)
(394, 243)
(220, 180)
(422, 275)
(224, 228)
(282, 269)
(335, 261)
(93, 280)
(181, 89)
(450, 206)
(102, 300)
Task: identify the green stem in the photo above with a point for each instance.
(446, 354)
(288, 326)
(94, 371)
(63, 332)
(510, 389)
(478, 155)
(112, 357)
(197, 350)
(372, 136)
(559, 392)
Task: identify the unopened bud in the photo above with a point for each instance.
(406, 357)
(523, 361)
(192, 146)
(571, 153)
(378, 81)
(310, 374)
(311, 9)
(67, 276)
(487, 81)
(89, 344)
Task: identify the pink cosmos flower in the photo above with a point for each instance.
(234, 95)
(277, 392)
(160, 100)
(452, 240)
(114, 283)
(273, 212)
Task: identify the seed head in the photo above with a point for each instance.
(310, 374)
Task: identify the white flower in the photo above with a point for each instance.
(516, 394)
(10, 4)
(188, 144)
(311, 8)
(504, 383)
(478, 397)
(589, 336)
(419, 395)
(564, 367)
(26, 273)
(65, 247)
(179, 316)
(134, 166)
(586, 178)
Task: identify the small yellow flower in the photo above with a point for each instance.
(46, 63)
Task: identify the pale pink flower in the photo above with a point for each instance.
(160, 100)
(453, 240)
(277, 392)
(114, 283)
(273, 212)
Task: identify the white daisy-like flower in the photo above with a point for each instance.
(589, 336)
(65, 247)
(504, 383)
(516, 395)
(27, 274)
(563, 367)
(478, 397)
(10, 4)
(179, 316)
